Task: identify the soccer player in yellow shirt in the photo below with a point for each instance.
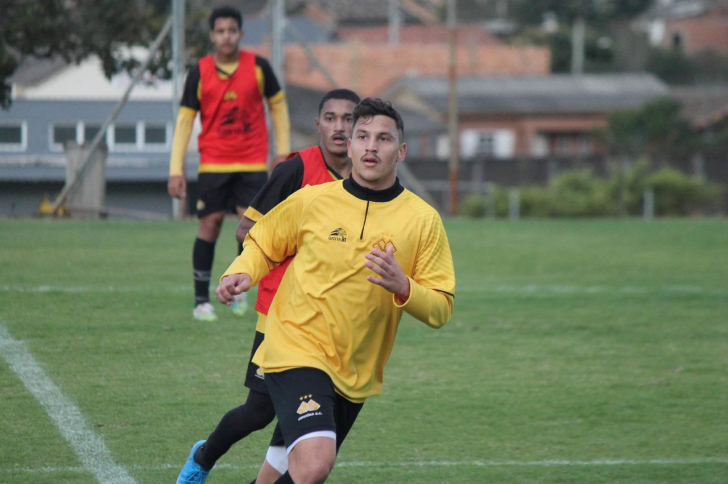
(365, 249)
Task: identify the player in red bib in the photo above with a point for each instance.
(228, 90)
(312, 166)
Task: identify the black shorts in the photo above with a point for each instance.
(305, 402)
(221, 192)
(255, 378)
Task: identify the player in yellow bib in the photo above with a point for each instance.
(366, 249)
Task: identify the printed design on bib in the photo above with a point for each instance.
(338, 235)
(233, 122)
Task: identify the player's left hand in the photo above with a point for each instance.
(391, 277)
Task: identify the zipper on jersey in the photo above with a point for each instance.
(366, 213)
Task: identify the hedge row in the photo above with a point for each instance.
(579, 193)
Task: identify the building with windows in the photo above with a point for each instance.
(54, 103)
(531, 117)
(690, 26)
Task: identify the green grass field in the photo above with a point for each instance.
(579, 352)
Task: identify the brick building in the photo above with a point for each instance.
(691, 26)
(537, 116)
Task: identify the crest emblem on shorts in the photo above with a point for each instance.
(200, 205)
(259, 374)
(339, 235)
(308, 404)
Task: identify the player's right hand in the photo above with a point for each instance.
(231, 286)
(177, 186)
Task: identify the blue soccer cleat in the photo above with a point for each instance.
(192, 472)
(240, 305)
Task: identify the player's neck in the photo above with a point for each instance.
(341, 164)
(383, 183)
(221, 58)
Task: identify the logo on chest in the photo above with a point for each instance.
(338, 235)
(385, 242)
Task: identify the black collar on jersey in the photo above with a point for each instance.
(360, 192)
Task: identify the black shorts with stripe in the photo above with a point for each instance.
(306, 401)
(254, 377)
(222, 192)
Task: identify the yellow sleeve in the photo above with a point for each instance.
(432, 285)
(271, 240)
(182, 134)
(429, 306)
(278, 107)
(253, 214)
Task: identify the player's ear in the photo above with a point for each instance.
(402, 152)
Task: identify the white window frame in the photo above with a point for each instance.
(485, 138)
(80, 133)
(59, 146)
(157, 146)
(540, 145)
(82, 136)
(137, 145)
(23, 145)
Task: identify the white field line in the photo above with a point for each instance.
(483, 289)
(89, 448)
(436, 463)
(575, 289)
(99, 288)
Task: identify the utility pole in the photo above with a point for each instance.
(452, 122)
(178, 66)
(395, 20)
(74, 176)
(277, 28)
(577, 45)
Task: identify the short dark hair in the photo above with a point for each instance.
(226, 12)
(370, 107)
(345, 94)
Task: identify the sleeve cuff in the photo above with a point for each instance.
(409, 299)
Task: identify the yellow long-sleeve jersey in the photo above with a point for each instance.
(326, 314)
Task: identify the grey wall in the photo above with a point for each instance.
(41, 115)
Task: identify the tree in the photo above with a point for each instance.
(595, 11)
(76, 29)
(657, 130)
(607, 25)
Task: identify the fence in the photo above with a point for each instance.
(477, 174)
